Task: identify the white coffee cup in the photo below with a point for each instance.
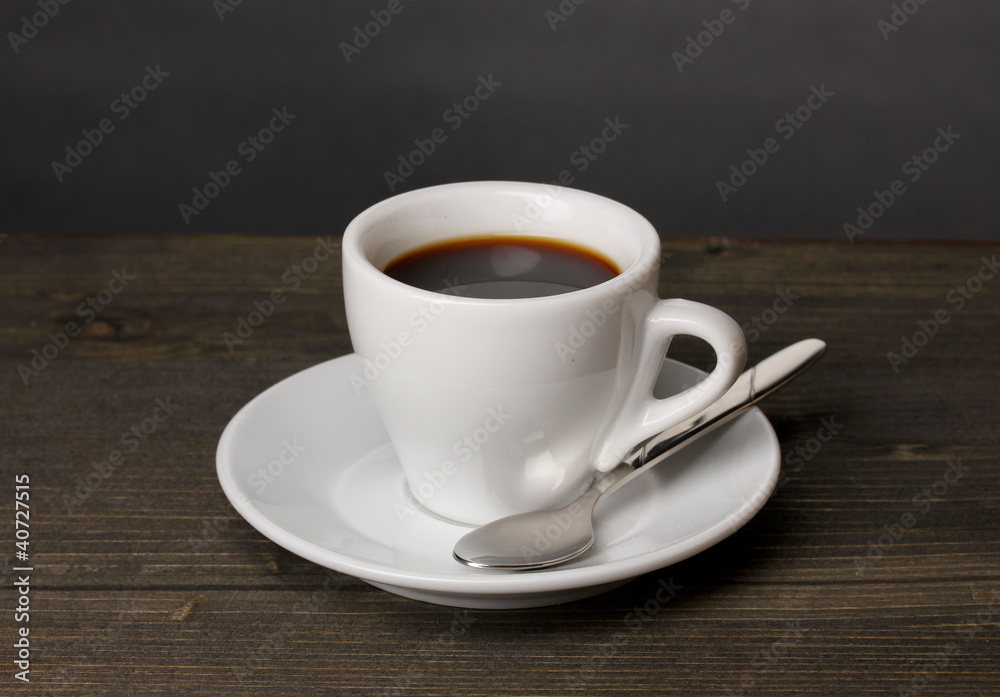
(498, 407)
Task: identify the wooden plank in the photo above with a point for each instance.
(148, 583)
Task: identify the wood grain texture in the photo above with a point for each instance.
(148, 583)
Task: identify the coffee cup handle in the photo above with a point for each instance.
(638, 415)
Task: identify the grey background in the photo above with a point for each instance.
(608, 59)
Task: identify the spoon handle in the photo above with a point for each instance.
(751, 387)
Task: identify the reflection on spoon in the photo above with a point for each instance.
(546, 538)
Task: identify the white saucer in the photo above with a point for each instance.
(342, 502)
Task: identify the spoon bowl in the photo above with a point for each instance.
(531, 540)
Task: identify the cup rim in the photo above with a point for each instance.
(645, 233)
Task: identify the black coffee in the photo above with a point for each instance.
(501, 267)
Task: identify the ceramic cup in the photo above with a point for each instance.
(498, 407)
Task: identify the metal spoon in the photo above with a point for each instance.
(515, 542)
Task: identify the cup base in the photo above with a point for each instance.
(415, 503)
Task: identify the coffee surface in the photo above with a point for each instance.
(501, 267)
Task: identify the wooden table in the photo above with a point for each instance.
(872, 570)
